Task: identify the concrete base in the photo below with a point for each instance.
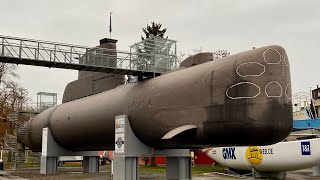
(178, 167)
(129, 148)
(268, 175)
(316, 170)
(126, 168)
(90, 164)
(49, 165)
(51, 151)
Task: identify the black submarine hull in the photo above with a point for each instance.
(242, 99)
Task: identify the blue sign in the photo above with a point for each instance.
(229, 153)
(305, 148)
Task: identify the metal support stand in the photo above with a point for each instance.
(316, 170)
(1, 160)
(128, 149)
(90, 164)
(272, 175)
(178, 168)
(51, 151)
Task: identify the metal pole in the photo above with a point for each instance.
(130, 59)
(71, 55)
(65, 56)
(154, 56)
(54, 52)
(110, 26)
(314, 109)
(1, 160)
(2, 51)
(94, 56)
(20, 49)
(175, 54)
(87, 56)
(38, 51)
(112, 165)
(15, 160)
(37, 102)
(35, 54)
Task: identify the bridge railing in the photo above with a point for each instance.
(37, 50)
(63, 53)
(40, 50)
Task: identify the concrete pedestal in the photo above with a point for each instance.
(48, 165)
(178, 168)
(316, 170)
(51, 151)
(268, 175)
(128, 148)
(90, 164)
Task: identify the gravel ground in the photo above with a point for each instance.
(63, 173)
(70, 173)
(76, 173)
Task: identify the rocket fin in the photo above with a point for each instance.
(178, 130)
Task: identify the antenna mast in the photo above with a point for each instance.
(110, 25)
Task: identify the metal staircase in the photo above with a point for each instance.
(13, 118)
(50, 54)
(18, 154)
(20, 158)
(11, 144)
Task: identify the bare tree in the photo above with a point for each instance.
(13, 97)
(220, 54)
(7, 72)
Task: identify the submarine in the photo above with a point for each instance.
(239, 100)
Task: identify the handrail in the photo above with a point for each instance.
(61, 44)
(41, 41)
(38, 50)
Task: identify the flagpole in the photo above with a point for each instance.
(110, 26)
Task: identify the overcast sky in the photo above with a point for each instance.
(224, 24)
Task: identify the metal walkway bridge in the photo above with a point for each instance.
(66, 56)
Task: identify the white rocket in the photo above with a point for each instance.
(283, 156)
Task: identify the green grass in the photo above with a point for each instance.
(10, 165)
(153, 169)
(205, 169)
(72, 165)
(197, 170)
(30, 164)
(160, 169)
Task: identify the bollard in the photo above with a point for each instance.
(1, 165)
(1, 161)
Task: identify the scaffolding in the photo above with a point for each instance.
(154, 54)
(300, 101)
(46, 100)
